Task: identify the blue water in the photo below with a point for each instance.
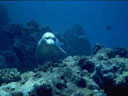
(104, 22)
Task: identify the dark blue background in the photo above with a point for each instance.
(94, 16)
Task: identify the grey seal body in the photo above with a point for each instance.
(49, 48)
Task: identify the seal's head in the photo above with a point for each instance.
(49, 38)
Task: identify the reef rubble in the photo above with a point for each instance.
(103, 74)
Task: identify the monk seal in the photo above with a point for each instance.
(48, 48)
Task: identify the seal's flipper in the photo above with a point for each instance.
(59, 44)
(62, 50)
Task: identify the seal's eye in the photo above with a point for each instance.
(54, 39)
(47, 38)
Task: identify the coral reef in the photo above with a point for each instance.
(8, 59)
(105, 73)
(78, 43)
(111, 70)
(96, 75)
(102, 74)
(24, 40)
(9, 75)
(64, 79)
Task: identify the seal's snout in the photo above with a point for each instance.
(49, 38)
(50, 41)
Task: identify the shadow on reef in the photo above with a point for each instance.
(24, 39)
(101, 74)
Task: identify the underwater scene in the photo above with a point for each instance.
(63, 48)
